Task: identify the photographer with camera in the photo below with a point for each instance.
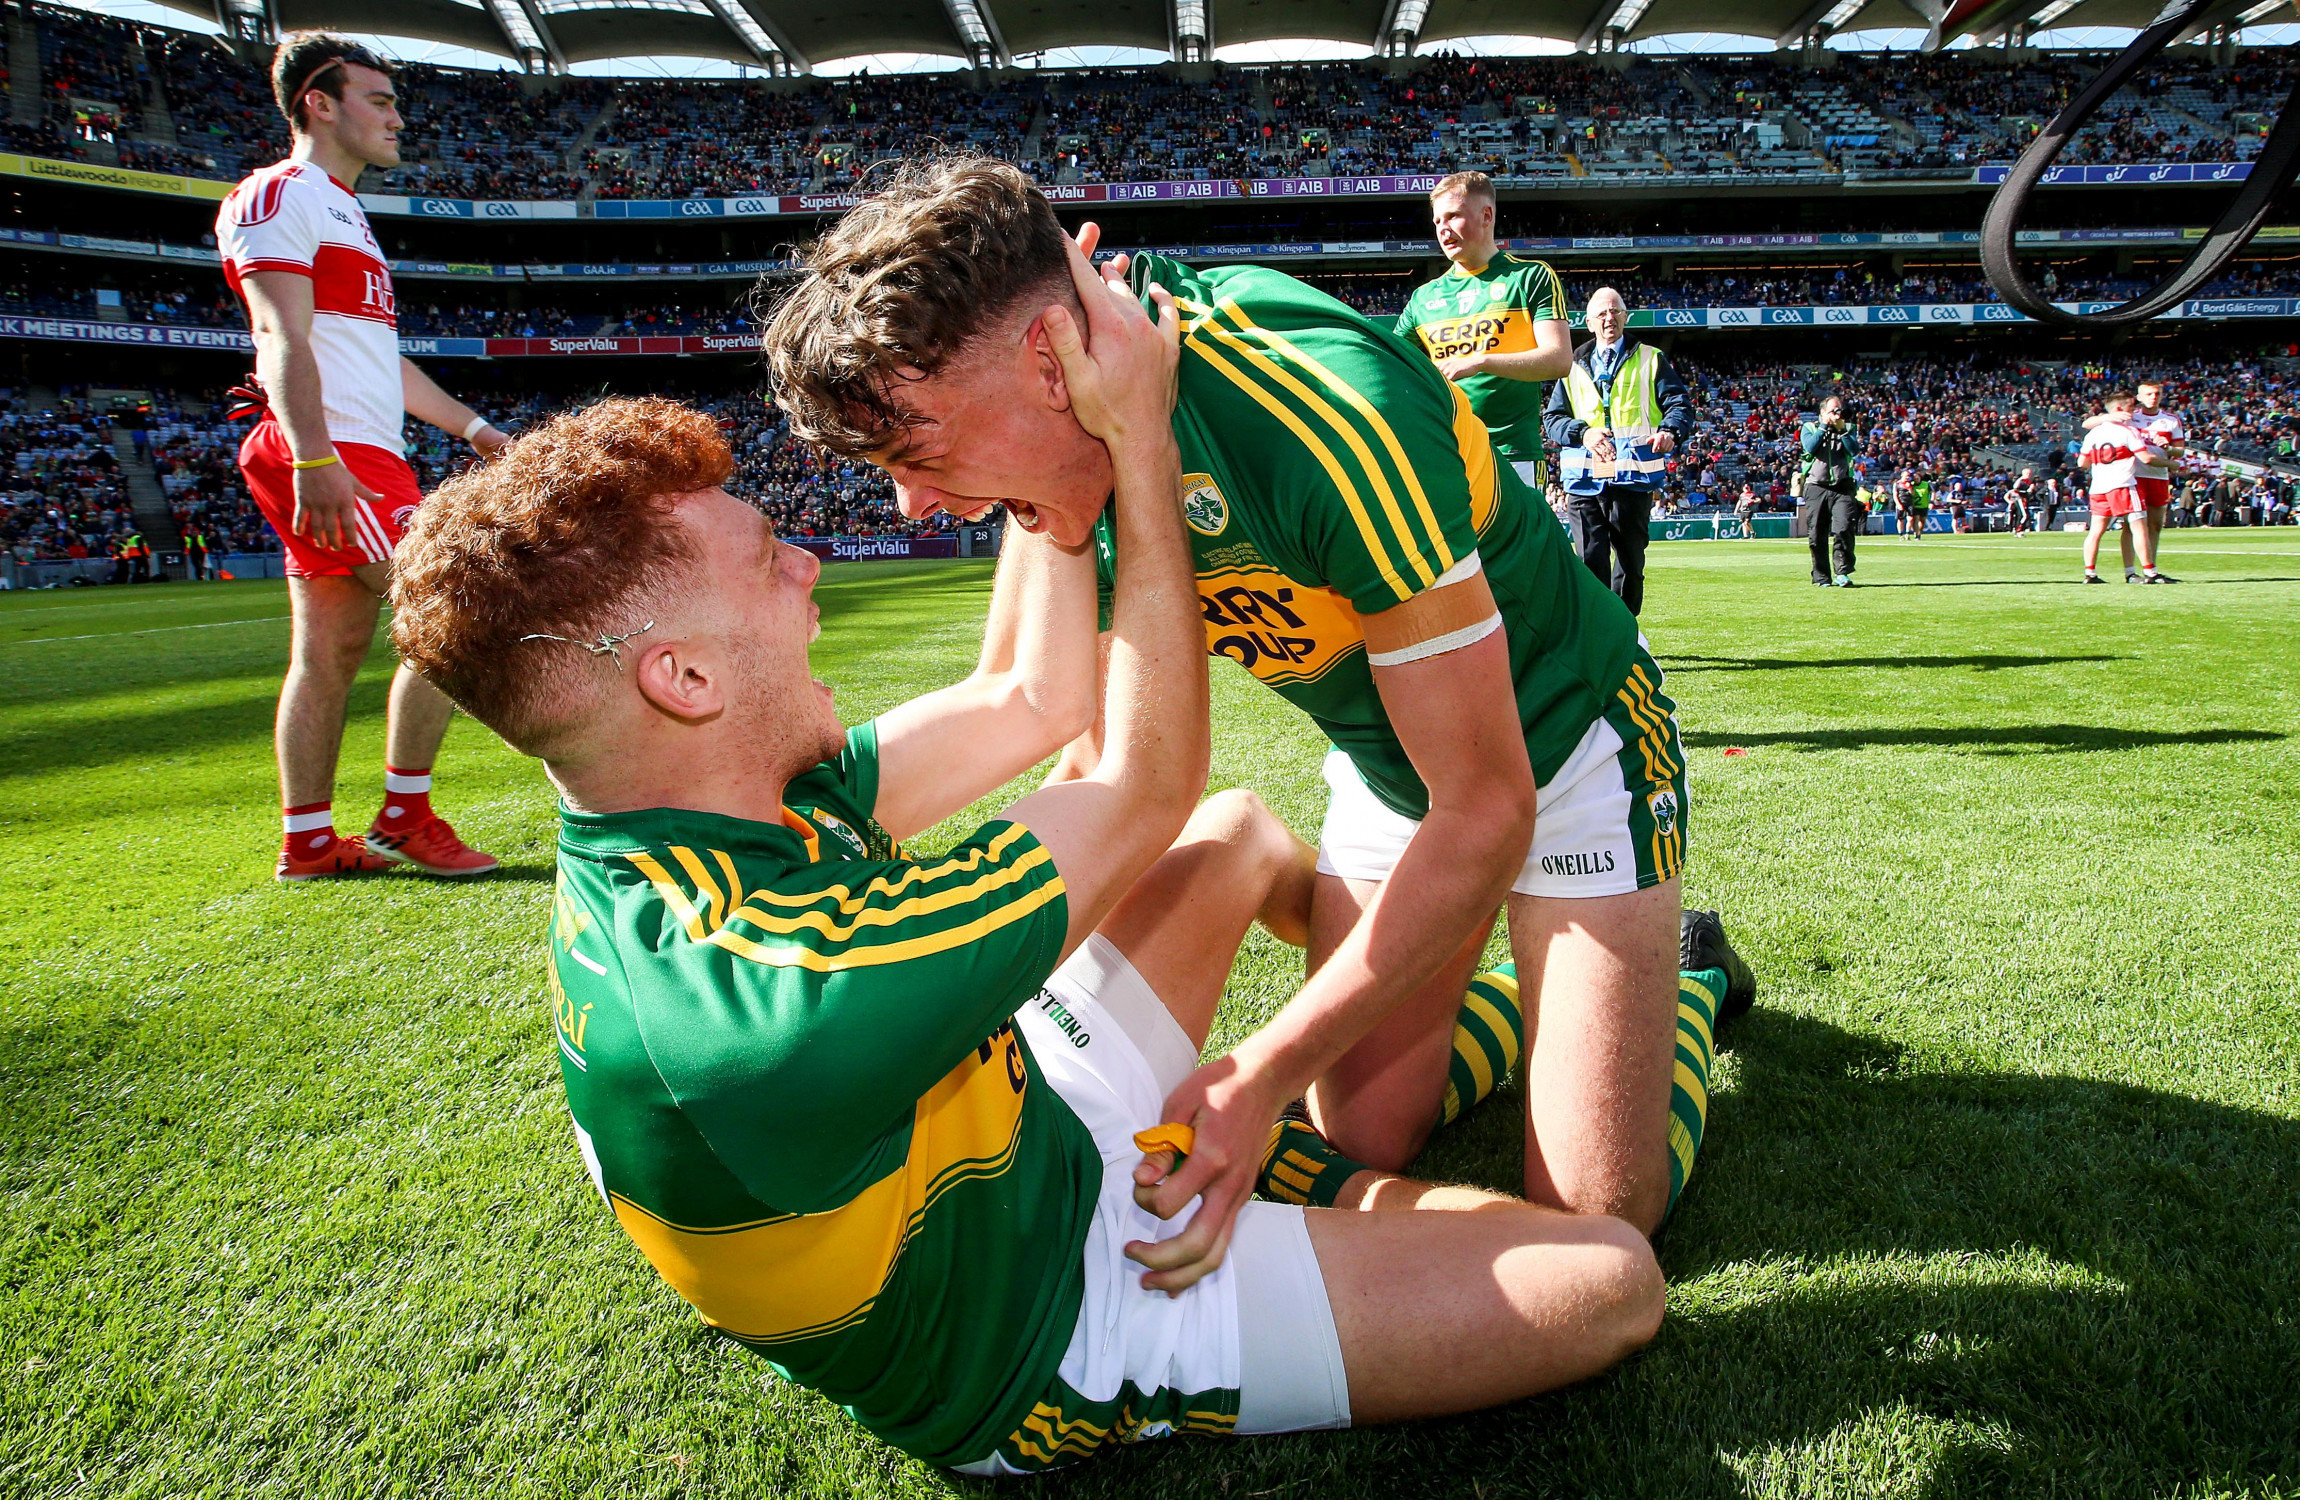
(1825, 484)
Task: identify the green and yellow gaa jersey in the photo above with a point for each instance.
(1491, 312)
(1330, 472)
(789, 1052)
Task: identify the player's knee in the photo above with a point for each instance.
(1626, 1295)
(1239, 820)
(1387, 1142)
(331, 653)
(1231, 815)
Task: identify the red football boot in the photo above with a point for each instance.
(432, 847)
(336, 856)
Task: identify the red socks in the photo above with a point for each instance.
(406, 799)
(309, 830)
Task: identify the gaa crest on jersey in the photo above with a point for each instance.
(834, 825)
(1203, 506)
(1663, 803)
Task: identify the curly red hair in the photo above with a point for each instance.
(568, 532)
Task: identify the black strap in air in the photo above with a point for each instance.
(2276, 166)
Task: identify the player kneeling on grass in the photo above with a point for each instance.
(874, 1114)
(1501, 734)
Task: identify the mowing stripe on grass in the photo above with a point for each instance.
(102, 635)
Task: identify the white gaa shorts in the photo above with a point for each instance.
(1248, 1349)
(1611, 821)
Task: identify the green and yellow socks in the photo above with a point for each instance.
(1698, 996)
(1301, 1166)
(1488, 1039)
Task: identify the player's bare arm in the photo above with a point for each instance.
(280, 311)
(1454, 714)
(424, 399)
(1033, 691)
(1104, 829)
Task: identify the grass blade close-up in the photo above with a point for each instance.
(2000, 1193)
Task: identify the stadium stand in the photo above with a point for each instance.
(1973, 420)
(195, 299)
(487, 135)
(64, 496)
(1967, 423)
(116, 91)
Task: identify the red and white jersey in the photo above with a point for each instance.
(2114, 450)
(291, 216)
(2159, 427)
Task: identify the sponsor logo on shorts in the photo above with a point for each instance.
(1060, 1015)
(403, 517)
(1203, 506)
(1598, 862)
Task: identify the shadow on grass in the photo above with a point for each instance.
(1989, 739)
(1888, 1280)
(1985, 663)
(545, 873)
(89, 737)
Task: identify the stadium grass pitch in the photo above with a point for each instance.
(2001, 1192)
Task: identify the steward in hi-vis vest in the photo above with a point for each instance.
(1630, 410)
(1618, 414)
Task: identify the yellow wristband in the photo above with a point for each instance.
(314, 463)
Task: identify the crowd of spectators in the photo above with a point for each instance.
(61, 493)
(491, 135)
(195, 452)
(503, 135)
(1931, 419)
(677, 140)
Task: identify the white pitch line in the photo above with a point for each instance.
(2079, 539)
(105, 635)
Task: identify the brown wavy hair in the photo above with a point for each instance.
(312, 59)
(568, 532)
(944, 251)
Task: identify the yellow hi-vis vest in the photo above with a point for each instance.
(1631, 411)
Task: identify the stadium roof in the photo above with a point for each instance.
(791, 34)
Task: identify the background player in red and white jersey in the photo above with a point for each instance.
(2114, 450)
(326, 463)
(2152, 478)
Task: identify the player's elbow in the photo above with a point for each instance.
(1053, 711)
(1495, 814)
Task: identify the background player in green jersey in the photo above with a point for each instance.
(1499, 731)
(1495, 323)
(875, 1115)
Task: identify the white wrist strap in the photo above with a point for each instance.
(473, 430)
